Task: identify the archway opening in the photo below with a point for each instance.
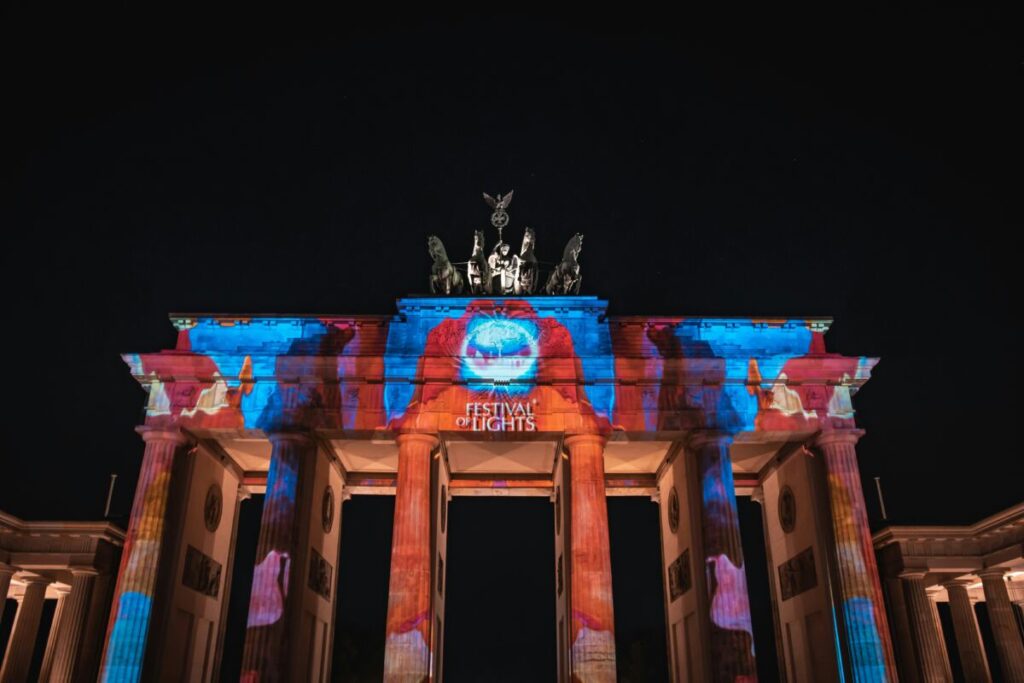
(363, 574)
(500, 603)
(637, 589)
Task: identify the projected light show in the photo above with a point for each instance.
(556, 346)
(505, 368)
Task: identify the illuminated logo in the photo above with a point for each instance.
(498, 416)
(499, 349)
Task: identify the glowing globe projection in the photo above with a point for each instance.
(499, 350)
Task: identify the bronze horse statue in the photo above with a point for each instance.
(444, 278)
(527, 267)
(478, 273)
(566, 277)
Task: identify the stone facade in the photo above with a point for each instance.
(960, 565)
(534, 396)
(74, 563)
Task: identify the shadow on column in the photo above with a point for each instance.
(988, 640)
(758, 587)
(500, 608)
(241, 584)
(42, 635)
(637, 590)
(949, 637)
(9, 609)
(363, 573)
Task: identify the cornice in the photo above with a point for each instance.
(101, 530)
(1001, 522)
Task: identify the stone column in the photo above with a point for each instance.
(931, 657)
(592, 651)
(897, 604)
(72, 624)
(6, 572)
(968, 637)
(731, 633)
(933, 599)
(22, 644)
(869, 644)
(1004, 624)
(51, 640)
(407, 643)
(128, 628)
(276, 584)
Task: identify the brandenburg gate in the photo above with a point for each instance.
(497, 391)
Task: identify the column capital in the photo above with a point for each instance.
(757, 495)
(840, 436)
(35, 579)
(7, 569)
(953, 584)
(991, 573)
(571, 440)
(172, 434)
(911, 574)
(699, 438)
(83, 570)
(427, 438)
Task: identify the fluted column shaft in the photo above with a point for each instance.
(931, 658)
(276, 583)
(869, 642)
(72, 624)
(1004, 625)
(968, 637)
(6, 572)
(933, 601)
(731, 633)
(128, 629)
(592, 652)
(407, 643)
(51, 640)
(22, 643)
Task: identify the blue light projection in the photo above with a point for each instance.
(500, 350)
(743, 347)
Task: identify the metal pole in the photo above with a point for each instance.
(881, 499)
(110, 495)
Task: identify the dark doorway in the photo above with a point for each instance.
(637, 590)
(248, 535)
(500, 610)
(755, 558)
(363, 574)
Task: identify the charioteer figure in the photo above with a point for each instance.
(504, 271)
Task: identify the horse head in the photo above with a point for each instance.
(528, 241)
(573, 249)
(436, 249)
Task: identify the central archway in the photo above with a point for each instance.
(500, 582)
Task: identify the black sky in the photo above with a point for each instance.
(864, 165)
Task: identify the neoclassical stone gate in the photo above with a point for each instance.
(545, 396)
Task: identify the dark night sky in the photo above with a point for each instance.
(863, 166)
